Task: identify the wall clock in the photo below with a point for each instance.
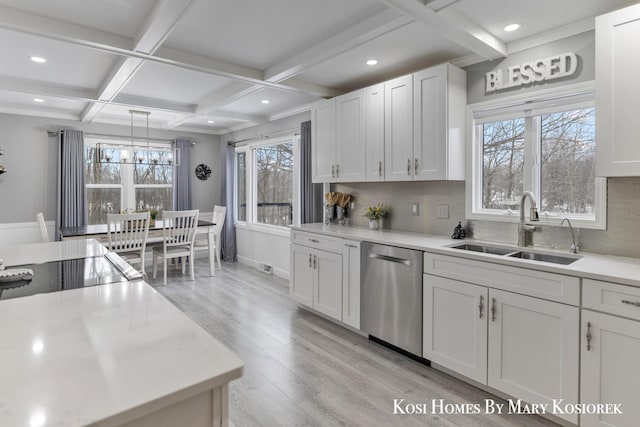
(203, 171)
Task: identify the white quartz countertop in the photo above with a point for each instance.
(105, 354)
(36, 253)
(592, 266)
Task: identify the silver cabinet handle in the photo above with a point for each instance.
(390, 259)
(337, 171)
(493, 309)
(481, 305)
(333, 171)
(314, 240)
(635, 303)
(415, 166)
(351, 246)
(380, 168)
(310, 256)
(588, 336)
(315, 262)
(408, 166)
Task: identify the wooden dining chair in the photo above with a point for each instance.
(218, 218)
(44, 234)
(127, 236)
(178, 232)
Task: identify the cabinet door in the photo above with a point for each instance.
(455, 326)
(351, 283)
(398, 129)
(323, 141)
(374, 132)
(350, 137)
(610, 368)
(430, 124)
(328, 286)
(302, 275)
(533, 349)
(617, 93)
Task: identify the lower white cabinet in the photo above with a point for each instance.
(351, 283)
(610, 373)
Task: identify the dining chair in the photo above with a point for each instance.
(218, 218)
(43, 227)
(178, 232)
(127, 236)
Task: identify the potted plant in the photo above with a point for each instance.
(153, 213)
(375, 214)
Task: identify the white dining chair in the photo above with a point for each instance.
(43, 227)
(202, 244)
(127, 236)
(178, 232)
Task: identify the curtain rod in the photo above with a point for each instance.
(265, 136)
(53, 133)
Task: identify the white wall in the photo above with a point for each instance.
(29, 186)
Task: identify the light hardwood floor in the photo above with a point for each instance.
(303, 370)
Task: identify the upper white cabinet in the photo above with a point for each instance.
(323, 140)
(374, 133)
(439, 99)
(617, 93)
(398, 129)
(350, 137)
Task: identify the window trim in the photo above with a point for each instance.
(473, 185)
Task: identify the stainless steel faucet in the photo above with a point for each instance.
(524, 230)
(574, 246)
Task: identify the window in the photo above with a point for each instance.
(113, 187)
(266, 189)
(546, 146)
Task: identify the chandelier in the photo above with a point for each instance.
(143, 153)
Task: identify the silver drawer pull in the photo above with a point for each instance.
(635, 303)
(351, 246)
(390, 259)
(310, 259)
(380, 168)
(415, 166)
(408, 166)
(481, 305)
(333, 171)
(588, 336)
(314, 240)
(493, 309)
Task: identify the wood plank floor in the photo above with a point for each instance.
(303, 370)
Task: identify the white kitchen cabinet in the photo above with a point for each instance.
(455, 326)
(351, 283)
(323, 140)
(398, 129)
(439, 99)
(609, 370)
(533, 349)
(350, 137)
(316, 280)
(617, 92)
(374, 133)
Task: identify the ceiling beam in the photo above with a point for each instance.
(368, 29)
(158, 25)
(455, 26)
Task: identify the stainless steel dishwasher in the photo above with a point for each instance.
(391, 295)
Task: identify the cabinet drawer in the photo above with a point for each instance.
(611, 298)
(317, 241)
(550, 286)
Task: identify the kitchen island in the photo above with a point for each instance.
(107, 355)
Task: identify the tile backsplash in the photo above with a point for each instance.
(620, 238)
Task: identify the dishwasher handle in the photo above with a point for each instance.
(390, 259)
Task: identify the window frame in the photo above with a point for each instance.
(251, 181)
(576, 96)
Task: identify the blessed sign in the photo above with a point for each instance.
(551, 68)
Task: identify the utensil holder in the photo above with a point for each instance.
(329, 212)
(339, 212)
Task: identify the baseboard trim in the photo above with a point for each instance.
(253, 263)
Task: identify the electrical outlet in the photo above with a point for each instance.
(415, 209)
(443, 211)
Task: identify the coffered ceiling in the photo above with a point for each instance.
(214, 66)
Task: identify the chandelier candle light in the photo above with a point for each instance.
(104, 156)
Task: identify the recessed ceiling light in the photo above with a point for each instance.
(265, 101)
(372, 62)
(210, 122)
(512, 27)
(38, 100)
(38, 59)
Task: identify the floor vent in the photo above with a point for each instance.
(265, 268)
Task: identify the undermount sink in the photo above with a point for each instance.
(555, 259)
(483, 248)
(515, 253)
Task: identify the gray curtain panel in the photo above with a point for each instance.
(228, 241)
(310, 193)
(182, 177)
(71, 194)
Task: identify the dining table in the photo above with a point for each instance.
(99, 232)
